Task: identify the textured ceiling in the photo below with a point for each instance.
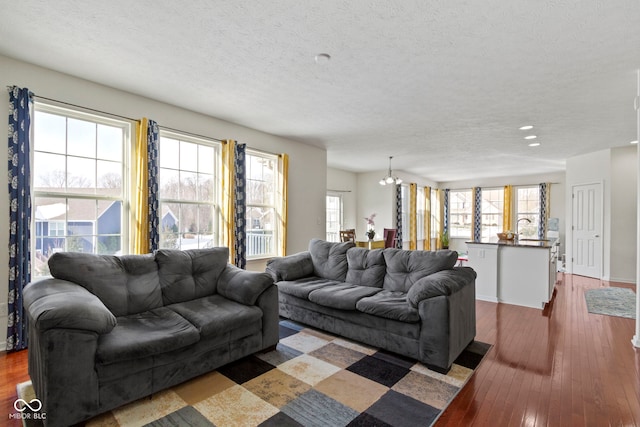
(442, 85)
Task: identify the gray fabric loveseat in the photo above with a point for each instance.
(414, 303)
(107, 330)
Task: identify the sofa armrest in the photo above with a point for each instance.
(444, 282)
(243, 286)
(55, 303)
(290, 267)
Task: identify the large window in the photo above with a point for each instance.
(79, 183)
(187, 193)
(262, 208)
(420, 212)
(492, 211)
(435, 213)
(404, 194)
(460, 213)
(528, 212)
(334, 217)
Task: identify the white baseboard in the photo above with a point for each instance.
(636, 341)
(3, 346)
(622, 280)
(487, 298)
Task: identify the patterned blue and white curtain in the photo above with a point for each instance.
(399, 216)
(477, 213)
(240, 205)
(19, 214)
(445, 219)
(544, 210)
(153, 144)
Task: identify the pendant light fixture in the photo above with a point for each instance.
(390, 179)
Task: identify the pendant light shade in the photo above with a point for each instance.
(390, 179)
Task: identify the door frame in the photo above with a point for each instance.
(602, 224)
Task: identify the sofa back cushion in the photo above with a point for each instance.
(125, 284)
(404, 267)
(329, 259)
(190, 274)
(366, 267)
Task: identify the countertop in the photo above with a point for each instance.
(517, 243)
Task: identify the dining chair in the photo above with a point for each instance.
(390, 237)
(348, 235)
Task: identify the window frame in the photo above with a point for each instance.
(64, 193)
(276, 236)
(491, 231)
(534, 216)
(469, 200)
(214, 203)
(340, 213)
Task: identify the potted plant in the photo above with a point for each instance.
(444, 239)
(371, 232)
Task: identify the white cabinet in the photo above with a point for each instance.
(514, 273)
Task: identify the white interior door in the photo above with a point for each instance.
(587, 230)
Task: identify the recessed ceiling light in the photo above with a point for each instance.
(534, 144)
(322, 58)
(634, 142)
(530, 137)
(526, 127)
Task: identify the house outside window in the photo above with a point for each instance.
(187, 192)
(460, 213)
(492, 211)
(79, 185)
(334, 217)
(527, 211)
(261, 208)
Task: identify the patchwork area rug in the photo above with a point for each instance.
(619, 302)
(311, 379)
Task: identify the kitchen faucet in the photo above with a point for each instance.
(518, 225)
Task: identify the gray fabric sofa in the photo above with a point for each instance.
(107, 330)
(414, 303)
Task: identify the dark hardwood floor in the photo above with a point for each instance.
(558, 367)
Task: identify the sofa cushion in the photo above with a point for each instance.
(390, 305)
(243, 286)
(404, 267)
(190, 274)
(152, 332)
(329, 259)
(291, 267)
(366, 267)
(216, 315)
(343, 295)
(302, 287)
(125, 284)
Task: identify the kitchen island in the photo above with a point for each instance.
(521, 272)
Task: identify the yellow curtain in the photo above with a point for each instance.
(227, 178)
(440, 195)
(283, 169)
(507, 211)
(413, 216)
(141, 208)
(427, 219)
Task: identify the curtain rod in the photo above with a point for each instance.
(122, 117)
(190, 133)
(86, 108)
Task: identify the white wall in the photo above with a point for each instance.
(624, 210)
(307, 164)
